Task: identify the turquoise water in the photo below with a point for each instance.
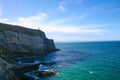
(103, 64)
(84, 61)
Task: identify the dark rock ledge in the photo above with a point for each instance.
(16, 41)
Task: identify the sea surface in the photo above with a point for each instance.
(82, 61)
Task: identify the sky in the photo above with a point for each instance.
(66, 20)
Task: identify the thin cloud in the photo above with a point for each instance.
(30, 22)
(68, 33)
(61, 6)
(55, 30)
(4, 20)
(71, 29)
(107, 7)
(67, 19)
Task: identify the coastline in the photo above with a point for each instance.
(17, 41)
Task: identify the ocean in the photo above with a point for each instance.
(84, 61)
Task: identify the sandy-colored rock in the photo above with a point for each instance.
(45, 73)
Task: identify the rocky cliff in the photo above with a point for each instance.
(6, 72)
(16, 40)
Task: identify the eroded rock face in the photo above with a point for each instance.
(6, 72)
(16, 39)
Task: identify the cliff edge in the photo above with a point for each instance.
(16, 40)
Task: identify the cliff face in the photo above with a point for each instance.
(6, 72)
(15, 39)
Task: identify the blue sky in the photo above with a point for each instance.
(66, 20)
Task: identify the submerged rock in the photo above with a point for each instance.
(48, 63)
(18, 41)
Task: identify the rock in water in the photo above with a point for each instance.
(16, 39)
(45, 73)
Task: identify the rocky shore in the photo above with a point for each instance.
(17, 41)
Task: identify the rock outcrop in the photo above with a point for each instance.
(45, 73)
(17, 40)
(6, 72)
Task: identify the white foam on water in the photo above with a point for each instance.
(90, 72)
